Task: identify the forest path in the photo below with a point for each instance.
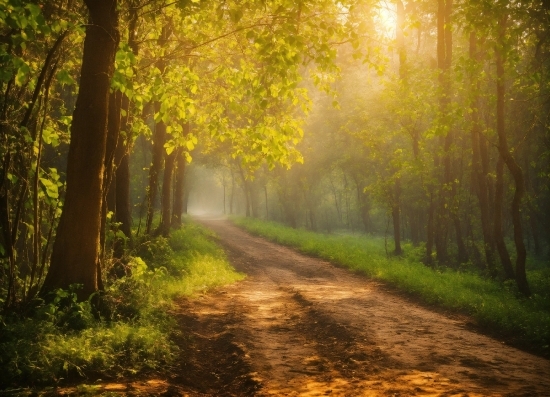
(299, 326)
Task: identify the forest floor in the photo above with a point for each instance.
(299, 326)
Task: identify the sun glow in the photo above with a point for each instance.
(386, 19)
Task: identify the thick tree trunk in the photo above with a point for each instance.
(512, 165)
(75, 256)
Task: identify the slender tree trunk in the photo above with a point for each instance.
(430, 232)
(395, 213)
(123, 209)
(462, 251)
(266, 204)
(444, 58)
(159, 137)
(109, 190)
(166, 218)
(497, 223)
(232, 193)
(511, 164)
(246, 190)
(480, 178)
(75, 256)
(396, 192)
(178, 190)
(122, 201)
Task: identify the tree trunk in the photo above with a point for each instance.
(159, 137)
(462, 251)
(480, 178)
(511, 164)
(497, 223)
(113, 132)
(430, 232)
(395, 213)
(122, 202)
(178, 189)
(232, 193)
(123, 214)
(75, 256)
(164, 227)
(444, 58)
(266, 204)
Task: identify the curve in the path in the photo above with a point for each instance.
(301, 326)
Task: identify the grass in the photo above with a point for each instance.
(66, 340)
(497, 306)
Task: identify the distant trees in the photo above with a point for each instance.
(175, 73)
(441, 138)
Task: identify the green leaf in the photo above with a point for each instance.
(64, 78)
(22, 74)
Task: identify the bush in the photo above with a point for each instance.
(60, 339)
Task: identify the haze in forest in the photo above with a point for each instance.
(419, 126)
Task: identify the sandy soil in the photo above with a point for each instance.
(299, 326)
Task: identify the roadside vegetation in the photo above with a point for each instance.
(62, 339)
(496, 305)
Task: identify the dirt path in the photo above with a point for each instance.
(299, 326)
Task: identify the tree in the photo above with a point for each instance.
(75, 256)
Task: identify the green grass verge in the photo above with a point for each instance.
(495, 305)
(63, 339)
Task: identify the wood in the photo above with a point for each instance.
(75, 256)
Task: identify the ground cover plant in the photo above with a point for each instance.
(496, 305)
(66, 339)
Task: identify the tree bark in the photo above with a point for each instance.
(123, 211)
(109, 190)
(511, 164)
(444, 58)
(395, 212)
(122, 201)
(159, 137)
(75, 256)
(178, 189)
(497, 223)
(166, 218)
(480, 177)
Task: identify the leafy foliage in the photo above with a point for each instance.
(62, 339)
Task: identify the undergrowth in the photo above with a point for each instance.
(496, 305)
(59, 339)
